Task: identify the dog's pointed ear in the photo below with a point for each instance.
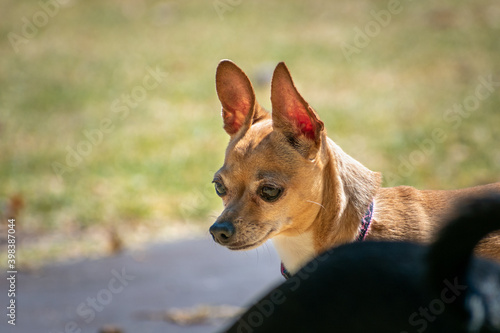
(239, 106)
(292, 115)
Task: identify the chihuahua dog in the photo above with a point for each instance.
(398, 287)
(284, 179)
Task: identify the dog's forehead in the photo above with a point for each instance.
(256, 140)
(258, 149)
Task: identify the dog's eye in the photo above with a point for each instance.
(220, 188)
(269, 193)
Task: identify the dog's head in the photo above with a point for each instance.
(271, 181)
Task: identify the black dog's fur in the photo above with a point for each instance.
(390, 287)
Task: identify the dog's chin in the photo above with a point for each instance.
(243, 246)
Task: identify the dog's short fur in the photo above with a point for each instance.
(284, 179)
(381, 287)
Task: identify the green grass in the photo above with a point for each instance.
(154, 165)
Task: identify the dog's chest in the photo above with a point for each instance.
(296, 251)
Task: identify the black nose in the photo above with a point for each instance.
(222, 231)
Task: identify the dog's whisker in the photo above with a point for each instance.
(316, 203)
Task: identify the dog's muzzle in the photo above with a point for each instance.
(222, 232)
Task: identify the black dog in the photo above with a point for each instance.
(391, 287)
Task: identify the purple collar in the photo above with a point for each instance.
(365, 224)
(286, 274)
(363, 231)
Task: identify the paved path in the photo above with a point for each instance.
(126, 289)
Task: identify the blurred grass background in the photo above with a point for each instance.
(148, 177)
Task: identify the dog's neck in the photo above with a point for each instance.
(348, 192)
(296, 251)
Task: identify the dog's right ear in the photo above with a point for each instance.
(239, 106)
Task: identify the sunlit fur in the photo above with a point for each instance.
(325, 191)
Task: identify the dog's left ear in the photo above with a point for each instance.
(292, 115)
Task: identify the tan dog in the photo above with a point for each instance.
(284, 179)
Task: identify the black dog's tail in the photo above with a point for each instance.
(450, 256)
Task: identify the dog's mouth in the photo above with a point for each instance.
(239, 245)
